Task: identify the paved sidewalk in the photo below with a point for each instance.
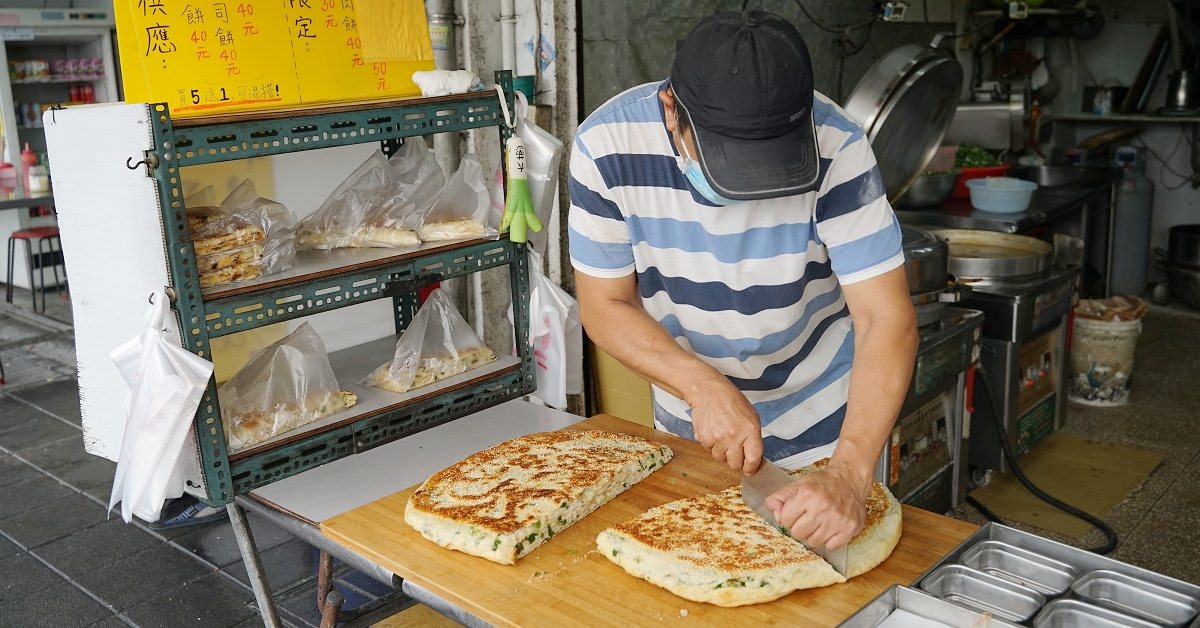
(63, 563)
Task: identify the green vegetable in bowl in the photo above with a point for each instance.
(972, 156)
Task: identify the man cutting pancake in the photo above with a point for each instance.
(733, 244)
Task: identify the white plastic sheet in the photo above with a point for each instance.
(166, 384)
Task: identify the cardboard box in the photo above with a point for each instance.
(229, 56)
(620, 392)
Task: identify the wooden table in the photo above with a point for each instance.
(567, 582)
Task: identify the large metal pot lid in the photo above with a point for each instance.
(978, 253)
(921, 244)
(905, 103)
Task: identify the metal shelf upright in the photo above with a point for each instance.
(322, 282)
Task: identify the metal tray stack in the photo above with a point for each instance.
(1025, 579)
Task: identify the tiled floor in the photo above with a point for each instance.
(63, 563)
(1158, 526)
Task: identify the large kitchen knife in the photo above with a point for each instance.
(768, 479)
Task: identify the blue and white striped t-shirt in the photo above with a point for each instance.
(754, 288)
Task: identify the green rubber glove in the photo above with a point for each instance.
(518, 204)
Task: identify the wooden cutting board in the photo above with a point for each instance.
(567, 582)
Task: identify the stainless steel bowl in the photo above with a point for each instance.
(928, 190)
(926, 260)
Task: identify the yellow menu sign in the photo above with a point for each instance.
(204, 56)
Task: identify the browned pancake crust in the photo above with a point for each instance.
(689, 529)
(497, 511)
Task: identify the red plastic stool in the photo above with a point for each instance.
(45, 238)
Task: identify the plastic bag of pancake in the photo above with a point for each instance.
(399, 206)
(437, 344)
(379, 204)
(462, 207)
(201, 207)
(248, 237)
(287, 385)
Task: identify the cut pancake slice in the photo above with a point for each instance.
(503, 502)
(713, 548)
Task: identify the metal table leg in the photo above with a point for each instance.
(254, 568)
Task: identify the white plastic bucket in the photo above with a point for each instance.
(1102, 361)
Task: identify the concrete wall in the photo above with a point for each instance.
(632, 42)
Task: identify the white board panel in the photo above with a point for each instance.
(112, 243)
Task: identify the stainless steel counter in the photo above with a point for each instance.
(1048, 205)
(1074, 212)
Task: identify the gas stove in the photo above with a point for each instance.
(1023, 361)
(924, 461)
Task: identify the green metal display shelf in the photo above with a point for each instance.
(323, 281)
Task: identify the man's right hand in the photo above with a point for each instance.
(728, 426)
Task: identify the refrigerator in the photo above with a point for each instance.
(51, 56)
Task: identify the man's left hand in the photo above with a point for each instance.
(825, 508)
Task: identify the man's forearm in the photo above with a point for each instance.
(629, 334)
(884, 354)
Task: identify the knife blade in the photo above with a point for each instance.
(768, 479)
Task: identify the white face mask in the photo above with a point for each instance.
(695, 174)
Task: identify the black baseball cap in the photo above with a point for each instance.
(744, 80)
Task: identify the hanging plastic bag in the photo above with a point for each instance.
(287, 385)
(555, 337)
(249, 237)
(461, 210)
(166, 383)
(543, 154)
(437, 344)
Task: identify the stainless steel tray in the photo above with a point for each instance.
(1078, 614)
(1180, 594)
(923, 605)
(1134, 596)
(1045, 575)
(984, 592)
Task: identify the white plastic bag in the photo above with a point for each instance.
(437, 344)
(400, 206)
(543, 153)
(166, 383)
(282, 387)
(555, 337)
(332, 225)
(461, 210)
(380, 204)
(246, 237)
